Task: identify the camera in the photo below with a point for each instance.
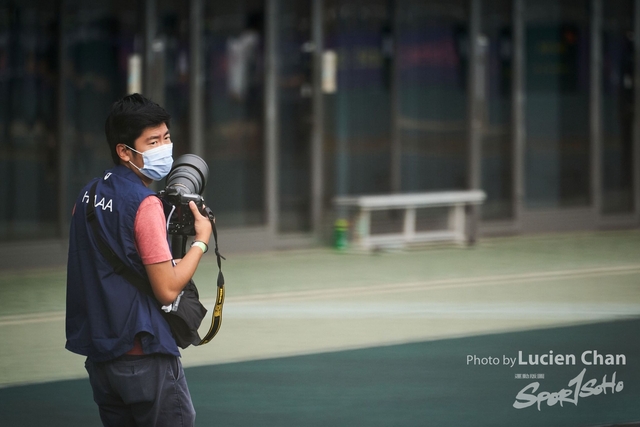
(185, 183)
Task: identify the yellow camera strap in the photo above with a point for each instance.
(216, 319)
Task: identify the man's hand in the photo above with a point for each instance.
(201, 224)
(168, 280)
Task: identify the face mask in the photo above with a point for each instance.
(157, 161)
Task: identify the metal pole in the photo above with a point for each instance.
(342, 122)
(317, 157)
(476, 96)
(595, 106)
(64, 147)
(150, 31)
(636, 121)
(518, 111)
(196, 78)
(271, 117)
(396, 132)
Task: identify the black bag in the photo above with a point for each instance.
(186, 312)
(186, 316)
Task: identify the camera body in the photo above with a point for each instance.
(185, 183)
(182, 221)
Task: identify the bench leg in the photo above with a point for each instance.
(363, 229)
(472, 225)
(457, 222)
(409, 224)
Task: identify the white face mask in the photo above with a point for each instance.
(157, 161)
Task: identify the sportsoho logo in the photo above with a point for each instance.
(577, 388)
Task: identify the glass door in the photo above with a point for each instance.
(28, 120)
(295, 113)
(557, 148)
(617, 88)
(432, 54)
(171, 50)
(359, 120)
(233, 110)
(497, 147)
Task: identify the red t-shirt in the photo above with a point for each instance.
(150, 231)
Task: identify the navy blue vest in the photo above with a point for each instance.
(104, 311)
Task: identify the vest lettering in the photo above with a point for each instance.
(101, 203)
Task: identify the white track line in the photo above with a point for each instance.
(23, 319)
(435, 284)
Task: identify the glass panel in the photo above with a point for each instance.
(295, 114)
(358, 114)
(234, 87)
(433, 55)
(99, 39)
(557, 104)
(173, 34)
(497, 152)
(617, 107)
(28, 120)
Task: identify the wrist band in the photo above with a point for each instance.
(201, 245)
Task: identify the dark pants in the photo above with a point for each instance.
(146, 390)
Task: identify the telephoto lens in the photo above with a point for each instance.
(185, 183)
(188, 174)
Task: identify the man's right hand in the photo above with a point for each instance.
(168, 280)
(202, 224)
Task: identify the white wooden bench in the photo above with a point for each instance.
(457, 230)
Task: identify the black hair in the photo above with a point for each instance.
(129, 117)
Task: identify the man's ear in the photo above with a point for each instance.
(123, 152)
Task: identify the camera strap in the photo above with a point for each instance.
(143, 285)
(216, 320)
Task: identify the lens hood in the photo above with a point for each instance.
(189, 171)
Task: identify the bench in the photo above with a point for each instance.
(457, 230)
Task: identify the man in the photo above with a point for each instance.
(132, 358)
